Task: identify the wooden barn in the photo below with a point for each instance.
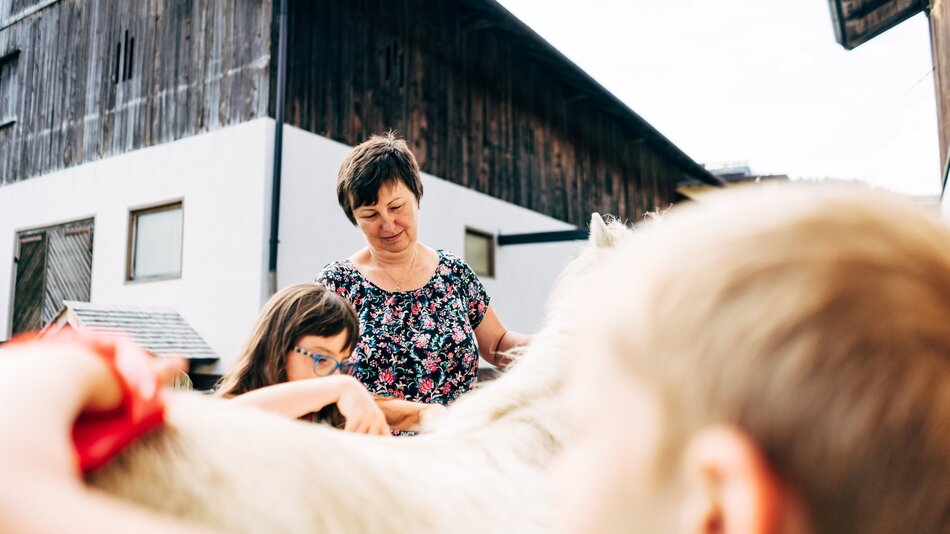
(156, 124)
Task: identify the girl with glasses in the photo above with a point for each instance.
(297, 363)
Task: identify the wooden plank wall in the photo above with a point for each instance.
(195, 66)
(476, 108)
(940, 41)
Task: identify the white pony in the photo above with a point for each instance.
(481, 468)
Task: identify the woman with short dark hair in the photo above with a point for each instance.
(425, 316)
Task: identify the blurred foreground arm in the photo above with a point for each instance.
(44, 386)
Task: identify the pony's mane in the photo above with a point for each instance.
(538, 369)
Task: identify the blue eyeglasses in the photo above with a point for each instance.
(326, 365)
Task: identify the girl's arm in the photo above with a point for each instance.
(300, 397)
(407, 415)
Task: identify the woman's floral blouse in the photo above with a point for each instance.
(416, 345)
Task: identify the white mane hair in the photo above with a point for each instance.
(480, 468)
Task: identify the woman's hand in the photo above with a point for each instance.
(432, 412)
(359, 408)
(407, 415)
(495, 341)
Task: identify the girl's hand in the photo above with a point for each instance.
(358, 407)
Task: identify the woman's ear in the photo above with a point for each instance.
(731, 487)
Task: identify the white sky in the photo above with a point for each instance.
(761, 82)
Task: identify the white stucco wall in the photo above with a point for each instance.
(314, 231)
(220, 179)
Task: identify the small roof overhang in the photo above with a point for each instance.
(858, 21)
(159, 330)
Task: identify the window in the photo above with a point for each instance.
(123, 62)
(155, 237)
(480, 252)
(391, 62)
(8, 63)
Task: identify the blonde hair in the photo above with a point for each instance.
(818, 322)
(292, 313)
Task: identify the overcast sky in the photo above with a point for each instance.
(761, 82)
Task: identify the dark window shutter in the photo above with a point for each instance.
(53, 265)
(30, 274)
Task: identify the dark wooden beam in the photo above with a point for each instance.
(543, 237)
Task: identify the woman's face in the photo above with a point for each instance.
(390, 225)
(300, 366)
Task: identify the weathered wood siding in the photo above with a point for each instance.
(479, 105)
(482, 102)
(940, 41)
(94, 78)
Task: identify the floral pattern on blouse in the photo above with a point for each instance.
(416, 345)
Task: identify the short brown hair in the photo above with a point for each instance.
(817, 322)
(381, 160)
(292, 313)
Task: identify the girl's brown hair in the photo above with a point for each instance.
(292, 313)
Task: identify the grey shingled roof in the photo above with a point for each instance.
(160, 330)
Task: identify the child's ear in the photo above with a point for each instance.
(731, 487)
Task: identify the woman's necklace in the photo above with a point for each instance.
(403, 279)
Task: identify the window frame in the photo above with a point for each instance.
(492, 271)
(132, 243)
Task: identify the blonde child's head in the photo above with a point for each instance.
(777, 359)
